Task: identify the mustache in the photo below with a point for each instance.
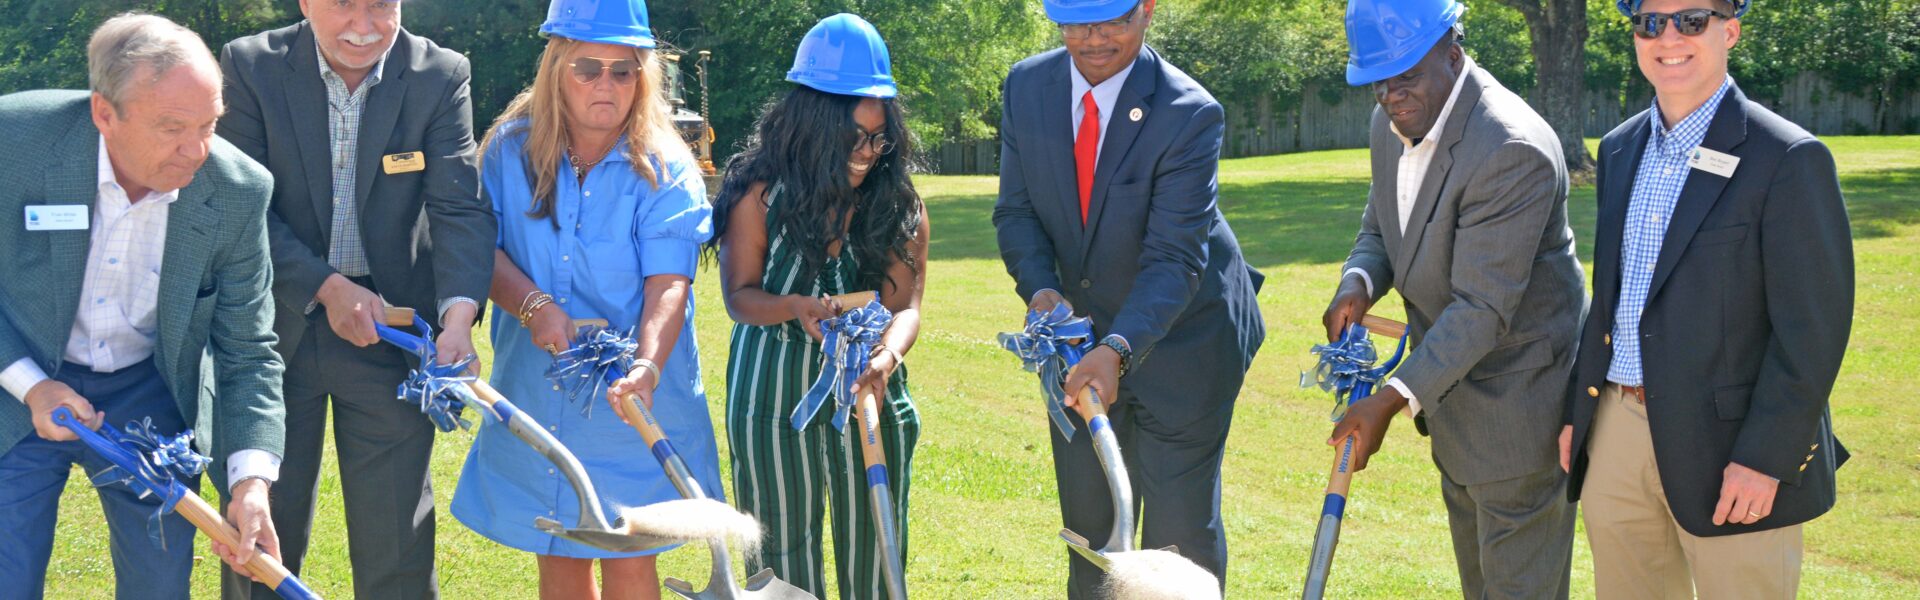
(361, 40)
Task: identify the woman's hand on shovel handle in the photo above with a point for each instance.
(1368, 419)
(552, 329)
(636, 386)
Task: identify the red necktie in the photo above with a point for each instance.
(1086, 147)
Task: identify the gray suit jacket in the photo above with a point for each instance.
(1493, 290)
(215, 348)
(428, 236)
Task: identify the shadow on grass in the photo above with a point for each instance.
(1313, 222)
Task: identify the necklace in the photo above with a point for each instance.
(580, 169)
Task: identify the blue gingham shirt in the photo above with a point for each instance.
(1656, 189)
(347, 254)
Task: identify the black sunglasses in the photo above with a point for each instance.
(587, 69)
(877, 141)
(1688, 22)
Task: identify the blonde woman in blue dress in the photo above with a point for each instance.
(602, 212)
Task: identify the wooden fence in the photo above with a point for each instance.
(1331, 118)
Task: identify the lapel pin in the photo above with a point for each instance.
(1135, 115)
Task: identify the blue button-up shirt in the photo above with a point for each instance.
(1656, 189)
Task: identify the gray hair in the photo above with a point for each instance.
(124, 45)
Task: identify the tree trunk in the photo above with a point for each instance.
(1558, 31)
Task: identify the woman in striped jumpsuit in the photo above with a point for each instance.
(819, 204)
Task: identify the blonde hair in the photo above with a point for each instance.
(649, 125)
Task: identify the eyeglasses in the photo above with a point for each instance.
(587, 69)
(1107, 29)
(1688, 22)
(877, 141)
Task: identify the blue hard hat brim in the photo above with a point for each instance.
(1358, 76)
(1628, 7)
(638, 38)
(1088, 11)
(874, 87)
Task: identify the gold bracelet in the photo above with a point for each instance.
(526, 318)
(525, 300)
(897, 359)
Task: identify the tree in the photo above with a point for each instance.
(1558, 30)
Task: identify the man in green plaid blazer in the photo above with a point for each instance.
(135, 286)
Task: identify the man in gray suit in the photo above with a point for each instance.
(369, 134)
(1467, 218)
(135, 286)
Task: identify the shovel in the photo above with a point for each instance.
(593, 528)
(1327, 535)
(1107, 448)
(147, 478)
(881, 497)
(720, 584)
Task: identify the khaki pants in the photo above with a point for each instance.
(1638, 549)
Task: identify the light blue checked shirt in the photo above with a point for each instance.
(1656, 189)
(347, 254)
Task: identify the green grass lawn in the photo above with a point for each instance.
(984, 511)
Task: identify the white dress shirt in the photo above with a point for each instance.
(1415, 156)
(1104, 97)
(114, 327)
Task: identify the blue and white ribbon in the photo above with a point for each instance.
(1052, 344)
(847, 341)
(432, 387)
(599, 355)
(1347, 369)
(162, 462)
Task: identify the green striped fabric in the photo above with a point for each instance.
(786, 478)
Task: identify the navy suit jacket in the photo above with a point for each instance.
(1746, 321)
(1155, 261)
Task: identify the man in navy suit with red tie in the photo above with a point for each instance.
(1108, 193)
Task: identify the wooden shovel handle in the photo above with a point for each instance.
(1384, 326)
(869, 417)
(397, 316)
(202, 515)
(1087, 406)
(853, 300)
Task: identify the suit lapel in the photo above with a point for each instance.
(377, 120)
(1384, 195)
(1056, 139)
(191, 222)
(1117, 140)
(75, 181)
(1622, 166)
(1702, 190)
(1435, 178)
(307, 104)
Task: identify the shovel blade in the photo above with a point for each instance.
(761, 586)
(604, 539)
(1081, 546)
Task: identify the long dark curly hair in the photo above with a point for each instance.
(803, 141)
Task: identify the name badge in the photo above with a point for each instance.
(404, 162)
(1714, 161)
(56, 217)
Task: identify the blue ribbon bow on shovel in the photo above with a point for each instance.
(1052, 344)
(847, 341)
(599, 356)
(1347, 368)
(431, 386)
(150, 463)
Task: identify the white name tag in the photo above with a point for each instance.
(1714, 161)
(56, 217)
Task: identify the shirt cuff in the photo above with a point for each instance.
(20, 377)
(669, 256)
(252, 462)
(447, 304)
(1364, 277)
(1413, 404)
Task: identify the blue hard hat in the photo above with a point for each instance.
(1387, 37)
(843, 54)
(1087, 11)
(620, 22)
(1628, 7)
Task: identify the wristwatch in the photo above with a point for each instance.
(1119, 345)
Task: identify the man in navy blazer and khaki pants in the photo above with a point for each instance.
(1108, 194)
(1697, 432)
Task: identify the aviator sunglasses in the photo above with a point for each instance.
(1688, 22)
(587, 69)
